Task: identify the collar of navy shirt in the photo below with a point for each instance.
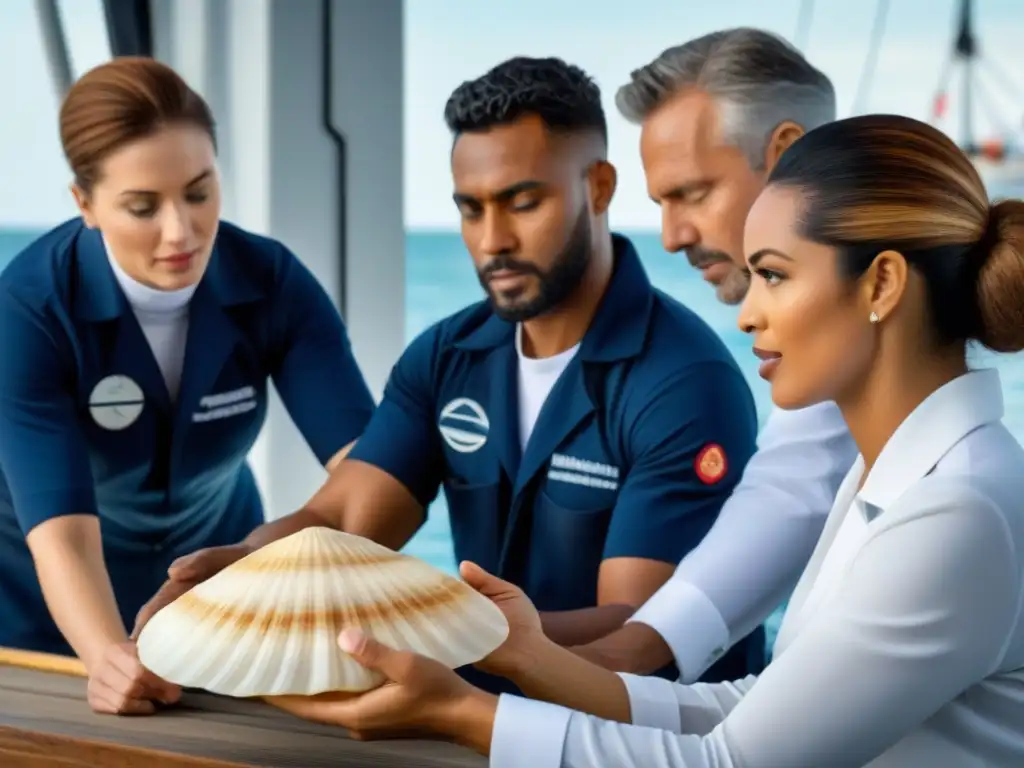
(212, 333)
(617, 332)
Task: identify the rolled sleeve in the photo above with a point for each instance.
(43, 453)
(689, 623)
(528, 733)
(689, 444)
(316, 373)
(401, 438)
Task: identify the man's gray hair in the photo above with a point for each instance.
(758, 80)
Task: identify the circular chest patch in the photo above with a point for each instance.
(464, 425)
(116, 402)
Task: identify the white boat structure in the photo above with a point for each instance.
(998, 157)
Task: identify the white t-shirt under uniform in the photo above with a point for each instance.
(537, 375)
(163, 318)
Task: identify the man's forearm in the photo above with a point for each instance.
(390, 530)
(635, 648)
(570, 628)
(285, 526)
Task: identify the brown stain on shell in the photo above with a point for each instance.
(398, 607)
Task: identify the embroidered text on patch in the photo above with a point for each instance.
(226, 404)
(592, 474)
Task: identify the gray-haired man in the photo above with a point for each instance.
(716, 114)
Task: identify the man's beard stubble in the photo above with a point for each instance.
(555, 285)
(733, 287)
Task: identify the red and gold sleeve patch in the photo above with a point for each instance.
(711, 464)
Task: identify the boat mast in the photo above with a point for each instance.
(805, 15)
(867, 74)
(966, 51)
(51, 27)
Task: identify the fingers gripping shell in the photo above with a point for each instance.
(268, 624)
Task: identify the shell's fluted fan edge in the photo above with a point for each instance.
(268, 624)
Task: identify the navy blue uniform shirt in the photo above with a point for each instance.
(636, 448)
(87, 425)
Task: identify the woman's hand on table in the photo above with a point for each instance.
(120, 685)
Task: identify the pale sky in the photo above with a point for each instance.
(449, 41)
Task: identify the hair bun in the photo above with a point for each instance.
(1000, 286)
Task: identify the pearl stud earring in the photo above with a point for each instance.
(873, 317)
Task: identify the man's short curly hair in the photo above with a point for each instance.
(562, 95)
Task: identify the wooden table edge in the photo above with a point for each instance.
(29, 740)
(23, 742)
(43, 662)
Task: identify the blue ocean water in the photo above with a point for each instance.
(440, 280)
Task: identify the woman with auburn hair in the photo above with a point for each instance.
(136, 344)
(876, 259)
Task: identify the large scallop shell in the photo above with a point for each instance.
(268, 624)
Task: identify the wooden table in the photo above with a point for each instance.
(45, 721)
